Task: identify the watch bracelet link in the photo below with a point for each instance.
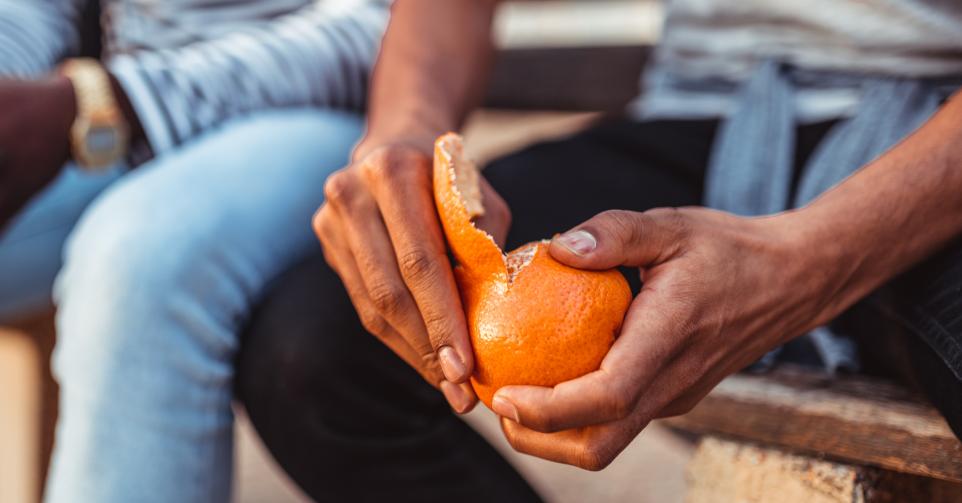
(97, 109)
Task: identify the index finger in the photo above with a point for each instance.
(608, 394)
(405, 197)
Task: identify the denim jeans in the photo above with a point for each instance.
(159, 273)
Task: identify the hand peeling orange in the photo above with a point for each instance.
(532, 320)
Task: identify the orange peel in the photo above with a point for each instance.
(532, 320)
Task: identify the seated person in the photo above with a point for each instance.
(829, 152)
(233, 113)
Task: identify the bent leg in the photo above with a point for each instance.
(917, 330)
(158, 277)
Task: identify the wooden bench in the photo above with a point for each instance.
(803, 436)
(28, 407)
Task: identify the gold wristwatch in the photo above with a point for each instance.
(100, 135)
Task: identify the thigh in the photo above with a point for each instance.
(31, 247)
(238, 201)
(346, 418)
(158, 277)
(927, 300)
(911, 329)
(171, 258)
(620, 164)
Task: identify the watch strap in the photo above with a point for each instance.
(96, 108)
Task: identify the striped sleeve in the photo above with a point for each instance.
(320, 55)
(36, 34)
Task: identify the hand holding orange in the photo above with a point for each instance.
(531, 319)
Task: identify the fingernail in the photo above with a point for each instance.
(456, 397)
(579, 242)
(503, 407)
(451, 364)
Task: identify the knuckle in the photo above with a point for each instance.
(620, 403)
(378, 165)
(439, 328)
(386, 297)
(627, 224)
(338, 187)
(593, 459)
(318, 223)
(321, 224)
(382, 164)
(418, 265)
(673, 219)
(373, 322)
(429, 360)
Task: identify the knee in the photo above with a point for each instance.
(131, 287)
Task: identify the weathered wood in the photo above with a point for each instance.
(851, 419)
(722, 470)
(40, 330)
(19, 417)
(603, 78)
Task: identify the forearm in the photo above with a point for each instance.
(431, 72)
(891, 214)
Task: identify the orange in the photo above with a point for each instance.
(532, 320)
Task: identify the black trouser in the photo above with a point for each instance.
(351, 422)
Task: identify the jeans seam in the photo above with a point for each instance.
(936, 336)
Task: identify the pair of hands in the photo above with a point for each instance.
(34, 138)
(719, 292)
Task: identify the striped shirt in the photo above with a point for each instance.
(710, 47)
(189, 65)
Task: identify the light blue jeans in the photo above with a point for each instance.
(157, 279)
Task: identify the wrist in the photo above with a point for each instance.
(60, 104)
(825, 266)
(420, 141)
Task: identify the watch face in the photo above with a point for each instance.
(101, 140)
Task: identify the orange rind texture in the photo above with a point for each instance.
(532, 320)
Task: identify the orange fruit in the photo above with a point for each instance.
(532, 320)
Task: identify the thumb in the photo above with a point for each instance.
(619, 237)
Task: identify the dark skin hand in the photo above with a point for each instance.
(35, 136)
(721, 290)
(378, 226)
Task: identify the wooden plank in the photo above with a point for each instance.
(722, 470)
(569, 78)
(39, 331)
(19, 418)
(851, 419)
